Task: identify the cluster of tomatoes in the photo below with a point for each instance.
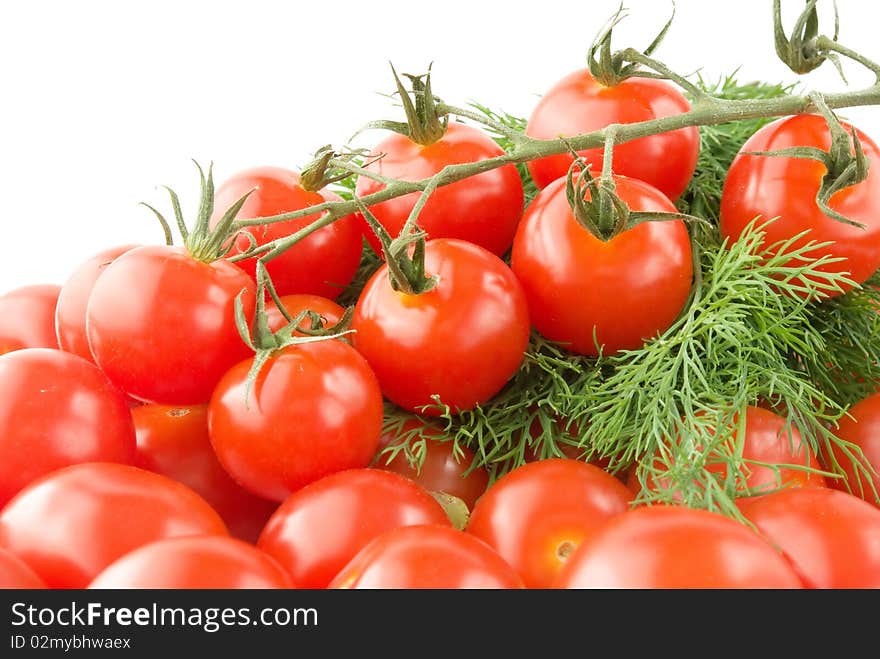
(144, 444)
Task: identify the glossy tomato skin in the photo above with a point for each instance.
(14, 573)
(314, 409)
(768, 442)
(671, 547)
(321, 527)
(72, 523)
(627, 289)
(861, 427)
(73, 300)
(174, 442)
(210, 562)
(330, 312)
(462, 340)
(773, 186)
(482, 209)
(831, 538)
(538, 514)
(27, 318)
(443, 469)
(57, 409)
(426, 557)
(161, 324)
(322, 263)
(579, 104)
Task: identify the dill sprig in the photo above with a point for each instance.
(754, 333)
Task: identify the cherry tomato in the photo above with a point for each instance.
(195, 562)
(72, 523)
(538, 514)
(426, 556)
(482, 209)
(768, 442)
(624, 291)
(70, 313)
(314, 409)
(27, 318)
(461, 341)
(831, 538)
(785, 188)
(319, 528)
(174, 442)
(57, 409)
(14, 573)
(579, 104)
(330, 312)
(861, 427)
(670, 547)
(442, 470)
(322, 263)
(161, 324)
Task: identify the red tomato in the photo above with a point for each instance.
(626, 290)
(70, 313)
(330, 312)
(161, 324)
(768, 442)
(57, 409)
(669, 547)
(443, 470)
(579, 104)
(462, 340)
(14, 573)
(322, 263)
(27, 318)
(314, 409)
(773, 186)
(196, 562)
(322, 526)
(482, 209)
(538, 514)
(862, 428)
(71, 524)
(831, 538)
(174, 442)
(426, 557)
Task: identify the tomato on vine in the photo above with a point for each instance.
(72, 523)
(782, 191)
(329, 312)
(324, 262)
(57, 409)
(27, 318)
(160, 319)
(590, 294)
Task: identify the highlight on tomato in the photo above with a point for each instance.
(202, 562)
(324, 262)
(27, 318)
(72, 523)
(537, 515)
(672, 547)
(321, 527)
(57, 409)
(174, 442)
(426, 556)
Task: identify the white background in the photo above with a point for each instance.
(102, 101)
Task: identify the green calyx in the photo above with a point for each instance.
(202, 242)
(305, 327)
(801, 51)
(326, 167)
(611, 68)
(845, 161)
(424, 122)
